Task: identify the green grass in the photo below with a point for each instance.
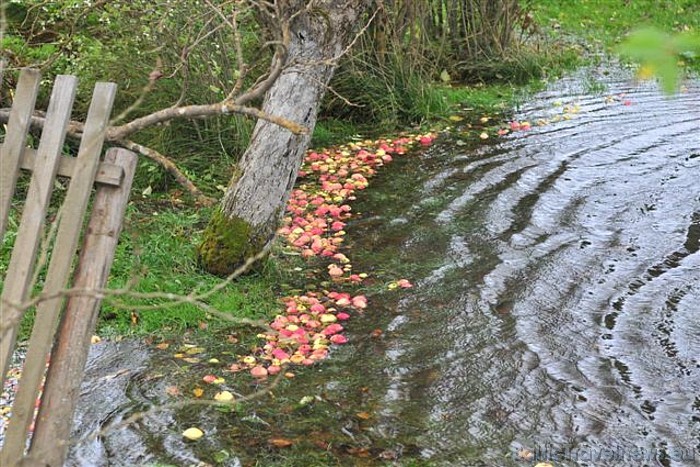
(605, 22)
(602, 24)
(156, 253)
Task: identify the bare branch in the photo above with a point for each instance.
(337, 94)
(196, 111)
(169, 167)
(265, 82)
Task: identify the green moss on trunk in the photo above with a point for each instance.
(227, 244)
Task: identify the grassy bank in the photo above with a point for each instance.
(157, 254)
(602, 24)
(563, 36)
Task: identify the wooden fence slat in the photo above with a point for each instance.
(68, 233)
(107, 174)
(29, 234)
(15, 140)
(65, 374)
(3, 64)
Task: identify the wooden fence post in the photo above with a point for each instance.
(51, 437)
(48, 311)
(70, 346)
(19, 273)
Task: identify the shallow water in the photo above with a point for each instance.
(561, 312)
(555, 311)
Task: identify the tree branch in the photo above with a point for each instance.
(169, 167)
(197, 111)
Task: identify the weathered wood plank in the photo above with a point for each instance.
(107, 174)
(19, 273)
(3, 64)
(53, 425)
(64, 249)
(15, 140)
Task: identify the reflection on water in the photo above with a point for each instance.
(573, 270)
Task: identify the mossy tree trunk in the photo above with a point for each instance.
(256, 197)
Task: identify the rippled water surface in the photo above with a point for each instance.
(563, 310)
(557, 301)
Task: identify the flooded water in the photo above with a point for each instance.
(556, 313)
(561, 311)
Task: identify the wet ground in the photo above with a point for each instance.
(556, 313)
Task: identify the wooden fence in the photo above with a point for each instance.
(67, 305)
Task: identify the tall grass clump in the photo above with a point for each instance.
(403, 70)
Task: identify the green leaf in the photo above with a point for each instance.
(688, 42)
(660, 52)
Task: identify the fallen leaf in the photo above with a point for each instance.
(525, 454)
(162, 345)
(172, 391)
(359, 452)
(363, 415)
(198, 392)
(280, 442)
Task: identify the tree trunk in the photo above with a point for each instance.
(255, 200)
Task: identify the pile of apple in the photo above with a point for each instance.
(316, 216)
